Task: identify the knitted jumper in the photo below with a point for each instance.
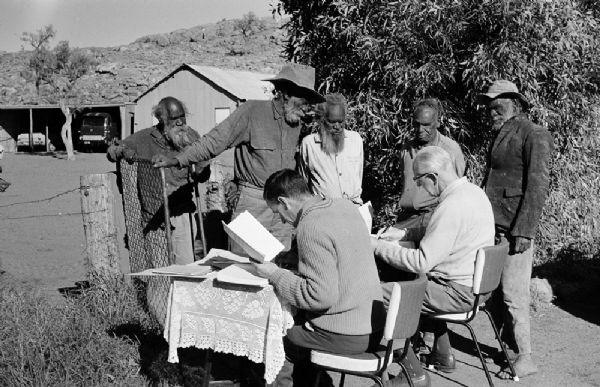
(337, 281)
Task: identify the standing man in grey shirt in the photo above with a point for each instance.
(265, 137)
(415, 205)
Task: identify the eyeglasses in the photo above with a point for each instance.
(423, 175)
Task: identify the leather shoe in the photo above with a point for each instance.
(444, 363)
(400, 381)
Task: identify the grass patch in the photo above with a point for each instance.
(44, 344)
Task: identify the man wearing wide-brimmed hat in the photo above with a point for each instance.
(265, 137)
(517, 183)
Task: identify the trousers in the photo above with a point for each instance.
(251, 200)
(182, 234)
(300, 340)
(510, 304)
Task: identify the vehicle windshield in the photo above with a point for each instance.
(93, 121)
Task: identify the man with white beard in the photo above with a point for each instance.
(331, 161)
(265, 137)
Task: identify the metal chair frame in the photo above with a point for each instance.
(391, 330)
(492, 280)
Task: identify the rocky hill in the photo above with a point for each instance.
(124, 72)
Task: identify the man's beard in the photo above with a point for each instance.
(181, 136)
(292, 111)
(331, 143)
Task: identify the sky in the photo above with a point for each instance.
(107, 23)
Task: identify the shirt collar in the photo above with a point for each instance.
(308, 205)
(277, 104)
(452, 187)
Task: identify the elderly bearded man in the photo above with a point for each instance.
(265, 137)
(336, 288)
(517, 183)
(331, 161)
(169, 136)
(416, 206)
(461, 224)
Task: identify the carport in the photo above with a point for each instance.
(48, 120)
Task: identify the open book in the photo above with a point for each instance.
(253, 237)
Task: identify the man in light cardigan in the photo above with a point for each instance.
(336, 287)
(462, 223)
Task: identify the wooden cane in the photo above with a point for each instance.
(200, 218)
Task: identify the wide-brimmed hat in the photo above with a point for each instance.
(300, 79)
(502, 89)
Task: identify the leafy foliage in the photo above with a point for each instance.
(384, 55)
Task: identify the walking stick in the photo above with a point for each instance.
(167, 217)
(200, 218)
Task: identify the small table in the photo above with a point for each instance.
(235, 319)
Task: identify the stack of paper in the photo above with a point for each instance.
(241, 274)
(253, 237)
(190, 270)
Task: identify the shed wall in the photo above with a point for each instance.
(200, 98)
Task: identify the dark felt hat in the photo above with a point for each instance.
(502, 89)
(300, 79)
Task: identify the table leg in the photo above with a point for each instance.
(207, 367)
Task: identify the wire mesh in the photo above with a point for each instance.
(143, 207)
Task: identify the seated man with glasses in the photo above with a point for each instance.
(462, 223)
(331, 161)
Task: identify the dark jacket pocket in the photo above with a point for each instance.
(511, 192)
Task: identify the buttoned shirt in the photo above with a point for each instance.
(413, 198)
(264, 143)
(333, 175)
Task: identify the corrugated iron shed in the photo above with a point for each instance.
(240, 85)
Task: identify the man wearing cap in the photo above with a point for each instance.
(265, 137)
(416, 206)
(517, 183)
(331, 161)
(168, 136)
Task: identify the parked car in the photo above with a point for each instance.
(97, 131)
(39, 141)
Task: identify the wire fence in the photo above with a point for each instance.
(143, 207)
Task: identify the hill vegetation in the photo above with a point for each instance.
(122, 73)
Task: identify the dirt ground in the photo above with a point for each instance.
(42, 242)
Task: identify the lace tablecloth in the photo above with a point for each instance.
(240, 320)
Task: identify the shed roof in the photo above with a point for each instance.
(241, 85)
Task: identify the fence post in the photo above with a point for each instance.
(102, 253)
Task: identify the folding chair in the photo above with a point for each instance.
(488, 269)
(401, 323)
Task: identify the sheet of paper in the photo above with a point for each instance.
(190, 270)
(241, 274)
(254, 238)
(366, 211)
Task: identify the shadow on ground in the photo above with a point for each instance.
(575, 281)
(230, 370)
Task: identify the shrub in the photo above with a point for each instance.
(384, 55)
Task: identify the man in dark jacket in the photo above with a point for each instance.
(516, 183)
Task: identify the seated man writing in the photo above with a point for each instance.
(336, 288)
(462, 223)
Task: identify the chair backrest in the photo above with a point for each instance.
(405, 308)
(488, 268)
